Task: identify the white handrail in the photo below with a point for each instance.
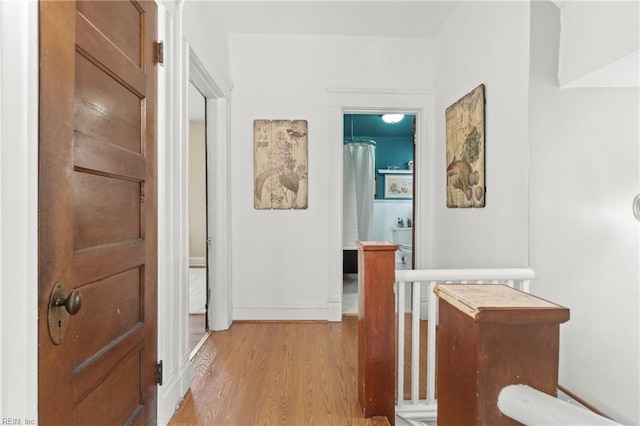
(458, 275)
(529, 406)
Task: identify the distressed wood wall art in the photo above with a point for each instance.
(280, 164)
(465, 150)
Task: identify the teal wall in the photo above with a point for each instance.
(394, 142)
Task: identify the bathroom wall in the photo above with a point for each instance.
(394, 142)
(386, 214)
(392, 151)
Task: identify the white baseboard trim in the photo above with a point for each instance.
(197, 262)
(280, 312)
(334, 310)
(173, 390)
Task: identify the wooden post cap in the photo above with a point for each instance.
(499, 302)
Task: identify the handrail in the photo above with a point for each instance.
(411, 275)
(529, 406)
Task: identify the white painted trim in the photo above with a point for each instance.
(334, 308)
(197, 262)
(174, 388)
(418, 413)
(355, 100)
(275, 312)
(19, 210)
(218, 181)
(173, 256)
(218, 174)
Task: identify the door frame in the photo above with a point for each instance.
(218, 195)
(19, 209)
(420, 103)
(187, 57)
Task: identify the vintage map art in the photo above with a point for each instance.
(280, 164)
(465, 150)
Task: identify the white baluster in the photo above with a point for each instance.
(431, 344)
(415, 343)
(400, 361)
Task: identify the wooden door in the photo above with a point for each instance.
(97, 211)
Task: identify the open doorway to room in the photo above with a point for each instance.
(197, 195)
(378, 191)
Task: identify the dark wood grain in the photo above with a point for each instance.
(376, 329)
(98, 211)
(479, 353)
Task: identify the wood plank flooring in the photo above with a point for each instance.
(196, 329)
(276, 373)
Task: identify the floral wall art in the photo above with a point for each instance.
(465, 150)
(280, 164)
(398, 186)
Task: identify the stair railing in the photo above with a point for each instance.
(415, 298)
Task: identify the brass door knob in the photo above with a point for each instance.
(61, 306)
(72, 303)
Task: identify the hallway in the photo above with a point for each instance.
(281, 373)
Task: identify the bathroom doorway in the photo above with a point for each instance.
(378, 191)
(197, 202)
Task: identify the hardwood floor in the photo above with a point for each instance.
(276, 373)
(196, 329)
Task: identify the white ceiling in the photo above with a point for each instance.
(397, 19)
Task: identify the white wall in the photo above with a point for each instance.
(596, 34)
(19, 211)
(280, 257)
(485, 43)
(210, 44)
(584, 240)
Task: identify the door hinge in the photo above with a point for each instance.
(159, 373)
(159, 52)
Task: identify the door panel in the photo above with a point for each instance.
(120, 22)
(121, 294)
(97, 218)
(106, 210)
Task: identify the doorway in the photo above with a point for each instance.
(198, 229)
(379, 156)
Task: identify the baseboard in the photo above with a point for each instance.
(334, 310)
(568, 396)
(197, 262)
(280, 312)
(173, 390)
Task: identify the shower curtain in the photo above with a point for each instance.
(358, 192)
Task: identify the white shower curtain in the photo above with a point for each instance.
(358, 192)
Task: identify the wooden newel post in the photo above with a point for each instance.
(376, 328)
(492, 336)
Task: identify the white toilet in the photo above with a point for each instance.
(403, 237)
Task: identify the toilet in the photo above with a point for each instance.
(403, 237)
